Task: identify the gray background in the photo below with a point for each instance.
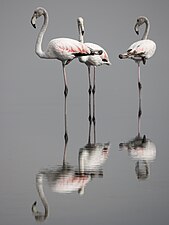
(31, 112)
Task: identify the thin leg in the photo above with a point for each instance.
(65, 105)
(94, 130)
(64, 153)
(139, 82)
(139, 119)
(93, 91)
(139, 99)
(89, 137)
(89, 91)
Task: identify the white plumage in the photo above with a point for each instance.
(143, 49)
(140, 50)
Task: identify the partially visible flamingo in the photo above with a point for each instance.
(140, 50)
(63, 49)
(91, 60)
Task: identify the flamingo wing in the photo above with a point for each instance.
(143, 48)
(66, 48)
(97, 60)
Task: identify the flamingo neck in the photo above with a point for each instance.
(38, 46)
(39, 186)
(81, 38)
(146, 32)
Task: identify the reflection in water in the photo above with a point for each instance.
(93, 155)
(61, 179)
(40, 216)
(66, 178)
(141, 149)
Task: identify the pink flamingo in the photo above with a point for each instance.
(91, 60)
(140, 50)
(63, 49)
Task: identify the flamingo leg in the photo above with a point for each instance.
(64, 153)
(139, 117)
(89, 91)
(89, 137)
(139, 81)
(139, 99)
(65, 104)
(93, 91)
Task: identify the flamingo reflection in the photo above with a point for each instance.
(61, 179)
(93, 155)
(141, 149)
(66, 178)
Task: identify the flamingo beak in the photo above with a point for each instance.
(136, 28)
(33, 21)
(82, 29)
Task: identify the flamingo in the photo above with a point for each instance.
(63, 49)
(91, 60)
(140, 50)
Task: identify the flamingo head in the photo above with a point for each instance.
(80, 23)
(37, 13)
(140, 20)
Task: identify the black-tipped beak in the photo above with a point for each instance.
(136, 28)
(33, 25)
(33, 21)
(82, 32)
(34, 207)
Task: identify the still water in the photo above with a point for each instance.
(103, 173)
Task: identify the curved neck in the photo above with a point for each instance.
(38, 46)
(146, 32)
(39, 186)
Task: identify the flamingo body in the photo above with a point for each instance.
(91, 157)
(95, 60)
(65, 49)
(140, 49)
(143, 49)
